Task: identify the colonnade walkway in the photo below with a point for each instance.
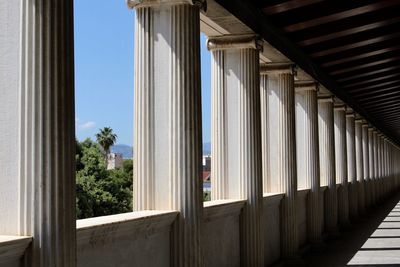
(374, 240)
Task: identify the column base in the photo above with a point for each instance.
(332, 234)
(346, 226)
(317, 246)
(295, 260)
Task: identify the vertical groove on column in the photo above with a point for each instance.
(47, 133)
(327, 161)
(144, 106)
(351, 166)
(375, 163)
(379, 166)
(371, 166)
(219, 184)
(341, 164)
(185, 132)
(287, 163)
(359, 165)
(365, 152)
(264, 130)
(250, 162)
(312, 165)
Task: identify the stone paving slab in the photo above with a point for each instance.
(373, 241)
(389, 225)
(386, 233)
(382, 243)
(376, 257)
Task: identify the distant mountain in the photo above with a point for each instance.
(125, 150)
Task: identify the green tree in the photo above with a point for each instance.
(100, 191)
(106, 138)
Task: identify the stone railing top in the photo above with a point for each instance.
(323, 188)
(273, 198)
(131, 225)
(303, 192)
(222, 208)
(12, 248)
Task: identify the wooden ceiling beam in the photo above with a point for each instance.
(288, 5)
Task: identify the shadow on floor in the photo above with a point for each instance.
(373, 241)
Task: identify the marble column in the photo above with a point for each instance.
(168, 139)
(379, 166)
(283, 162)
(47, 133)
(365, 152)
(236, 135)
(390, 184)
(341, 163)
(375, 156)
(308, 153)
(371, 164)
(385, 162)
(351, 164)
(327, 161)
(360, 165)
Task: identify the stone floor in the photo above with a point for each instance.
(373, 241)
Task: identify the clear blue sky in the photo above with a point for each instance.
(104, 70)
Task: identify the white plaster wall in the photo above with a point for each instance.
(271, 223)
(9, 76)
(221, 242)
(302, 216)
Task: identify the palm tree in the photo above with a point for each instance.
(106, 138)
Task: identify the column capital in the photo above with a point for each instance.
(278, 68)
(340, 107)
(350, 112)
(325, 98)
(359, 121)
(202, 4)
(242, 41)
(301, 86)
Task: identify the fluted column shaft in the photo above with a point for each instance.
(384, 166)
(360, 165)
(351, 165)
(236, 135)
(47, 133)
(365, 152)
(391, 184)
(375, 156)
(371, 164)
(380, 166)
(308, 153)
(168, 139)
(282, 123)
(327, 161)
(341, 164)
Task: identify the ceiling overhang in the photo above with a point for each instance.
(352, 48)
